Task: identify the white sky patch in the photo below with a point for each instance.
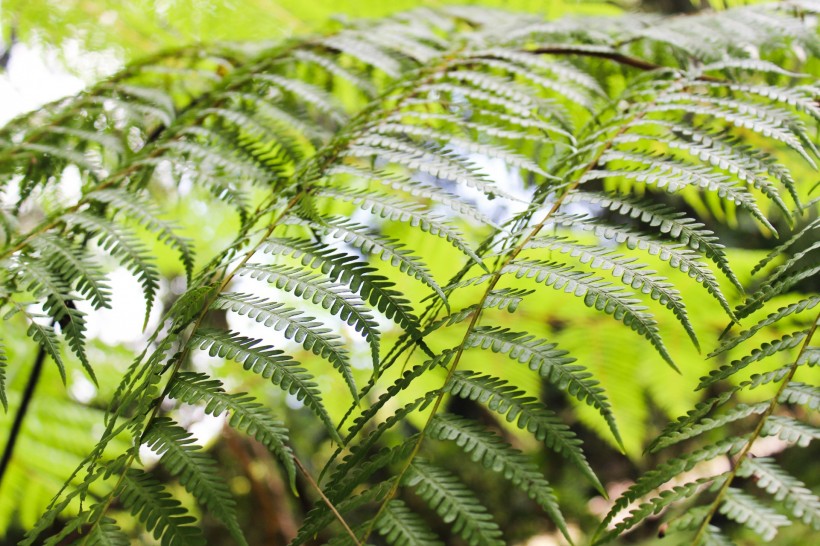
(33, 78)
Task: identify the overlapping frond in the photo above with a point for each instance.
(363, 164)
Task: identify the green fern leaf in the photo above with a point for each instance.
(597, 294)
(457, 204)
(743, 508)
(762, 120)
(332, 66)
(772, 318)
(724, 152)
(401, 527)
(196, 471)
(107, 533)
(667, 471)
(629, 273)
(702, 425)
(674, 175)
(3, 363)
(161, 514)
(340, 267)
(771, 290)
(657, 504)
(124, 246)
(781, 249)
(550, 362)
(146, 214)
(527, 413)
(434, 161)
(76, 269)
(668, 221)
(394, 209)
(58, 305)
(454, 503)
(293, 325)
(495, 454)
(678, 256)
(307, 93)
(320, 516)
(269, 363)
(790, 430)
(388, 249)
(494, 151)
(506, 299)
(245, 414)
(789, 341)
(800, 393)
(794, 495)
(335, 298)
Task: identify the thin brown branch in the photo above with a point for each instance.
(326, 500)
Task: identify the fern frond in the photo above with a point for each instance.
(401, 527)
(269, 363)
(744, 508)
(196, 471)
(335, 298)
(772, 318)
(794, 495)
(781, 249)
(788, 341)
(59, 305)
(108, 533)
(438, 195)
(388, 249)
(762, 120)
(394, 209)
(790, 430)
(677, 255)
(658, 504)
(436, 161)
(800, 393)
(146, 214)
(674, 175)
(702, 424)
(551, 363)
(3, 364)
(454, 503)
(359, 277)
(320, 517)
(495, 454)
(667, 471)
(674, 224)
(527, 413)
(597, 294)
(76, 269)
(506, 299)
(122, 245)
(627, 271)
(293, 325)
(245, 414)
(162, 515)
(768, 291)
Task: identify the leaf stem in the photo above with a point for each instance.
(28, 395)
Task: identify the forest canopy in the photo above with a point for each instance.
(454, 274)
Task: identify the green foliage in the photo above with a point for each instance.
(372, 234)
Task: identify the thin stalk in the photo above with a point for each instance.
(28, 395)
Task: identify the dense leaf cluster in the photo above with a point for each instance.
(609, 130)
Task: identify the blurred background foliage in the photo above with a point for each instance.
(64, 420)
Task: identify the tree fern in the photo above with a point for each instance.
(364, 166)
